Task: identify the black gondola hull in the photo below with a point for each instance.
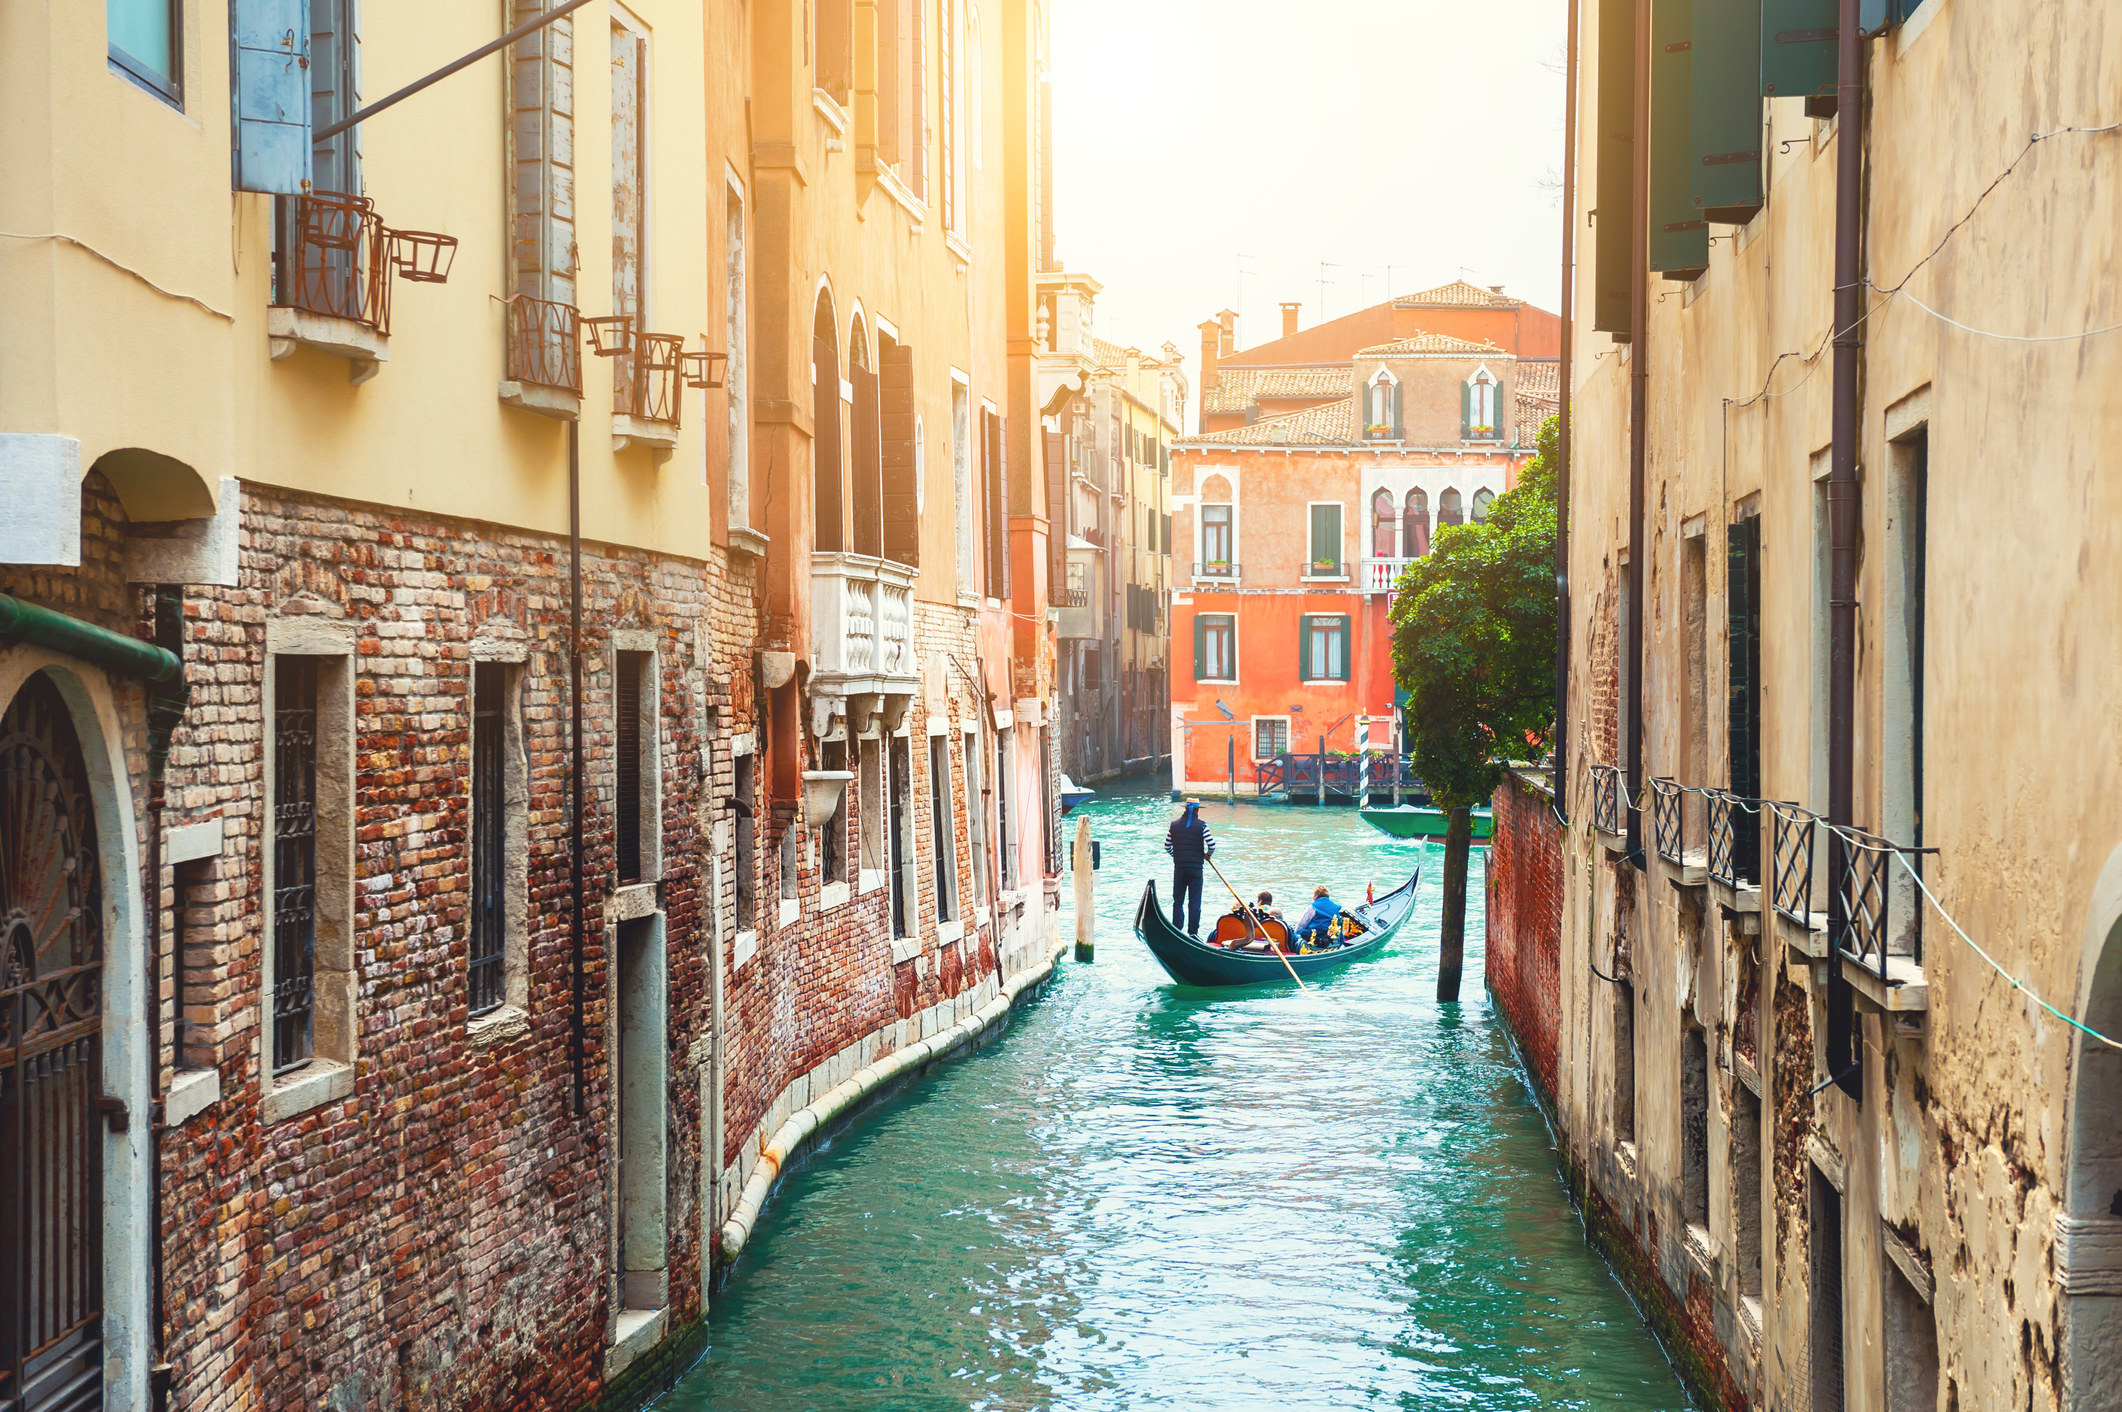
(1190, 962)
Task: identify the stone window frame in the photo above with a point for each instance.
(512, 1019)
(643, 642)
(328, 1077)
(1254, 732)
(948, 929)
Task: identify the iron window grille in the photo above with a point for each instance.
(1606, 798)
(1668, 815)
(1865, 882)
(1791, 846)
(294, 861)
(488, 978)
(626, 809)
(1726, 865)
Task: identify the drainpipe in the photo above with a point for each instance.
(577, 1041)
(1569, 285)
(165, 707)
(1638, 405)
(1843, 508)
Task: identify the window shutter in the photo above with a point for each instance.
(900, 491)
(1200, 648)
(272, 146)
(1304, 625)
(1466, 409)
(1398, 432)
(866, 441)
(1345, 643)
(1798, 47)
(1679, 236)
(1724, 127)
(1614, 194)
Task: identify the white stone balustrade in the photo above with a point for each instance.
(862, 635)
(1379, 575)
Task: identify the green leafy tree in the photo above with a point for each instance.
(1474, 649)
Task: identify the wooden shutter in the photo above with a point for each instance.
(826, 528)
(916, 12)
(1200, 648)
(899, 488)
(1798, 48)
(866, 442)
(1679, 236)
(1614, 187)
(1347, 645)
(997, 506)
(272, 144)
(890, 80)
(1724, 128)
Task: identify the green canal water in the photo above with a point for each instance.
(1147, 1197)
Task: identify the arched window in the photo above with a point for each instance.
(1414, 525)
(1481, 401)
(827, 488)
(1448, 511)
(1384, 526)
(1381, 407)
(1482, 499)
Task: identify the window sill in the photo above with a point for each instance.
(1216, 681)
(790, 910)
(1323, 681)
(661, 438)
(833, 895)
(631, 902)
(190, 1094)
(906, 948)
(364, 349)
(636, 1332)
(554, 402)
(902, 196)
(958, 246)
(1323, 578)
(747, 947)
(948, 932)
(871, 880)
(322, 1081)
(828, 107)
(497, 1026)
(743, 540)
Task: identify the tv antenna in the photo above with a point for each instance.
(1324, 266)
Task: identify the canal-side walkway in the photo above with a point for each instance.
(1138, 1197)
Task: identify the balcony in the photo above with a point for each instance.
(1735, 852)
(862, 642)
(1218, 571)
(1668, 809)
(334, 275)
(1883, 967)
(1793, 837)
(1375, 576)
(645, 393)
(1079, 616)
(544, 371)
(1607, 815)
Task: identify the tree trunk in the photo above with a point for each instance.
(1451, 957)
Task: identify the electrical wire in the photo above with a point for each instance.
(2007, 337)
(122, 269)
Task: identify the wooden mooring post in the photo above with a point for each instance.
(1086, 909)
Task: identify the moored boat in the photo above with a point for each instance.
(1191, 962)
(1412, 821)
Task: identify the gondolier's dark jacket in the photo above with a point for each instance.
(1189, 841)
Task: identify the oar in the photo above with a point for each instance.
(1258, 921)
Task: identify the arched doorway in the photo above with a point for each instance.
(51, 1043)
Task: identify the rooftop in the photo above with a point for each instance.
(1431, 345)
(1457, 295)
(1240, 388)
(1331, 425)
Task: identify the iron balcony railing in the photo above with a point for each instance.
(1791, 838)
(1668, 813)
(545, 343)
(645, 382)
(1723, 837)
(1606, 798)
(338, 260)
(1218, 569)
(1866, 885)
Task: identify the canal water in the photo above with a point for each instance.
(1147, 1197)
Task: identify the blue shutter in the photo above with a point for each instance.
(271, 101)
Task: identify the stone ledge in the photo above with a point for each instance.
(555, 402)
(661, 438)
(190, 1094)
(636, 1332)
(495, 1026)
(322, 1081)
(189, 843)
(364, 349)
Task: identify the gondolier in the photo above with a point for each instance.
(1191, 845)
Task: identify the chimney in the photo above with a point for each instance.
(1228, 322)
(1495, 289)
(1289, 317)
(1211, 344)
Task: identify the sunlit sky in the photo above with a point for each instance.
(1196, 136)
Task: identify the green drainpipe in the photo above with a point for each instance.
(128, 656)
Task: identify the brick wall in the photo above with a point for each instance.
(1525, 921)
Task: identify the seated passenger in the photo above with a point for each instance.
(1265, 906)
(1313, 926)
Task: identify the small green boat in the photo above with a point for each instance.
(1411, 821)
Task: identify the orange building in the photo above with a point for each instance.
(1293, 512)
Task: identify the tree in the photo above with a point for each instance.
(1474, 649)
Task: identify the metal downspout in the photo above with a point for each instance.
(1569, 273)
(1843, 508)
(1638, 403)
(165, 707)
(576, 1038)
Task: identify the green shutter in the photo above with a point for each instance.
(1798, 48)
(1347, 645)
(1466, 409)
(1614, 191)
(1399, 433)
(1304, 626)
(1724, 144)
(1318, 538)
(1200, 648)
(1679, 236)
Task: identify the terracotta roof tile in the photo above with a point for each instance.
(1457, 295)
(1331, 425)
(1431, 345)
(1240, 388)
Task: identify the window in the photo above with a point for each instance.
(1482, 500)
(1826, 1262)
(630, 200)
(1746, 1196)
(1414, 525)
(976, 812)
(544, 346)
(1382, 407)
(832, 837)
(997, 504)
(742, 796)
(1325, 648)
(1384, 526)
(1270, 737)
(834, 35)
(1624, 1053)
(869, 809)
(1216, 539)
(1694, 1135)
(1325, 558)
(942, 828)
(900, 836)
(640, 1084)
(947, 134)
(1480, 403)
(1742, 683)
(826, 471)
(1215, 647)
(901, 464)
(294, 861)
(1911, 1330)
(736, 373)
(634, 813)
(961, 469)
(1448, 510)
(488, 978)
(146, 43)
(1003, 851)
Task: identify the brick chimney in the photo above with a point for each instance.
(1228, 322)
(1289, 316)
(1211, 351)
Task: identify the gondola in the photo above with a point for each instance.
(1191, 962)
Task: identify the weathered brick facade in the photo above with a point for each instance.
(1524, 910)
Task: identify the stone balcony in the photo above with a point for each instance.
(1378, 575)
(862, 642)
